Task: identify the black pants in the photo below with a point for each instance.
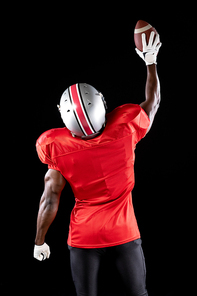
(129, 261)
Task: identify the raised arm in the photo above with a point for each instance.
(152, 93)
(49, 203)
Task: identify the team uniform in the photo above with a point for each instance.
(101, 174)
(95, 154)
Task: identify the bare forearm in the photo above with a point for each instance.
(152, 90)
(46, 214)
(49, 203)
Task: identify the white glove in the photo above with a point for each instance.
(150, 50)
(41, 252)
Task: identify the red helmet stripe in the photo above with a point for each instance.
(80, 110)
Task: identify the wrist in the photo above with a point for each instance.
(39, 242)
(151, 69)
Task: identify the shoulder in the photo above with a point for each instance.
(49, 143)
(124, 113)
(132, 117)
(51, 136)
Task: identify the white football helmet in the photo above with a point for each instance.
(83, 110)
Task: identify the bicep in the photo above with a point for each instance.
(54, 184)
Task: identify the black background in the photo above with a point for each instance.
(48, 48)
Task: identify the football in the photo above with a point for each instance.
(140, 28)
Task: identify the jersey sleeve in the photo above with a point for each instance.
(44, 146)
(141, 123)
(135, 117)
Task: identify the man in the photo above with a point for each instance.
(95, 154)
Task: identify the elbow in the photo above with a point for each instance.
(158, 101)
(156, 104)
(154, 109)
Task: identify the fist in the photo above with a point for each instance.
(41, 252)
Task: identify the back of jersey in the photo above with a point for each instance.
(101, 174)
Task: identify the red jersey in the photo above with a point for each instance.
(101, 174)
